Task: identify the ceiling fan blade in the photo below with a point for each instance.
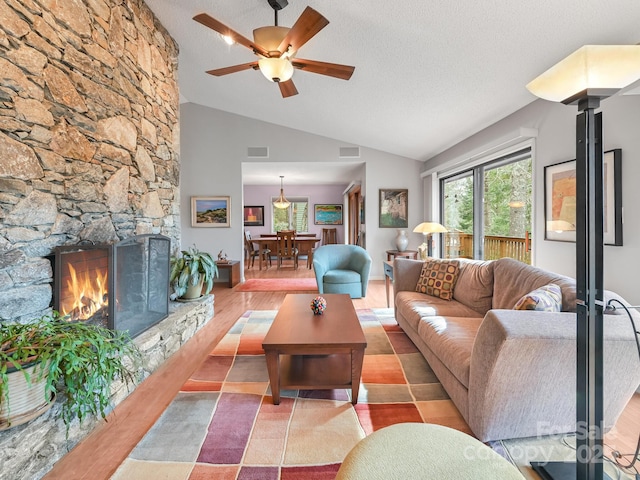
(233, 69)
(307, 25)
(323, 68)
(222, 29)
(287, 89)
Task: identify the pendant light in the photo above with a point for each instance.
(281, 202)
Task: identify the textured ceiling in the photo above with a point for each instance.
(429, 73)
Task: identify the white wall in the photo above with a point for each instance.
(555, 143)
(214, 147)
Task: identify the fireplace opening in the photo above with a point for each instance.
(121, 286)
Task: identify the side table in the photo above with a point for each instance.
(391, 254)
(388, 276)
(233, 268)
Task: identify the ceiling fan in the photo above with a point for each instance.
(276, 46)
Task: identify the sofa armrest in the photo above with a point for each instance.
(406, 273)
(523, 373)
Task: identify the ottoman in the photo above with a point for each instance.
(412, 451)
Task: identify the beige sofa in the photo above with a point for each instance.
(511, 373)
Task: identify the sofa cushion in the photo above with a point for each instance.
(451, 340)
(413, 305)
(438, 278)
(341, 276)
(547, 298)
(474, 286)
(513, 279)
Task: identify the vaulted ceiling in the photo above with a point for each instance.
(429, 73)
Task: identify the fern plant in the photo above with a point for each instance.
(83, 360)
(188, 269)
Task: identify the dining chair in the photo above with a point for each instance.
(253, 252)
(305, 249)
(286, 247)
(329, 236)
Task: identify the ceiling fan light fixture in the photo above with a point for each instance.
(227, 39)
(281, 201)
(270, 37)
(276, 69)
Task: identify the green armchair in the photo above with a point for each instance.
(342, 269)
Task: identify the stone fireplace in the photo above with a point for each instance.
(89, 154)
(121, 286)
(89, 136)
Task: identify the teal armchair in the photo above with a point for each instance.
(342, 269)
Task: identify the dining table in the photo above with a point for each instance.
(304, 244)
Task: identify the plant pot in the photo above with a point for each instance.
(194, 291)
(26, 400)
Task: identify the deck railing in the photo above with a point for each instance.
(460, 245)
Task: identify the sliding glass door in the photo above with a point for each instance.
(487, 210)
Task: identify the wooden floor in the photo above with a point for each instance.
(100, 454)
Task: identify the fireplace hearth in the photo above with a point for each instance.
(121, 286)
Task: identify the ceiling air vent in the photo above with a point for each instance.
(349, 152)
(258, 152)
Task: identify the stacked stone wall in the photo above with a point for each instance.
(89, 136)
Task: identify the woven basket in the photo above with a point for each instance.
(26, 402)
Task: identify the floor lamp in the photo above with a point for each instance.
(585, 77)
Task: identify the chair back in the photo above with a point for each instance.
(247, 241)
(285, 241)
(329, 236)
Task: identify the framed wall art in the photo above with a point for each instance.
(393, 208)
(327, 214)
(560, 200)
(254, 216)
(210, 211)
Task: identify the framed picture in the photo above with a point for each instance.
(560, 200)
(393, 208)
(254, 216)
(327, 214)
(210, 211)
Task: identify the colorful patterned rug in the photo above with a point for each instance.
(223, 423)
(279, 285)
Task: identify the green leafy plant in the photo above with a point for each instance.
(83, 361)
(188, 269)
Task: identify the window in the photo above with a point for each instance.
(487, 210)
(295, 217)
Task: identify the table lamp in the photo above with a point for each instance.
(426, 229)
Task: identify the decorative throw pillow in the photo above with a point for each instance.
(438, 277)
(544, 299)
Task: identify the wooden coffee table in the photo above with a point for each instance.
(308, 352)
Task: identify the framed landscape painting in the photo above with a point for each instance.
(254, 216)
(393, 208)
(210, 211)
(327, 214)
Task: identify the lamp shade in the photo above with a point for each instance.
(276, 69)
(429, 227)
(281, 201)
(592, 70)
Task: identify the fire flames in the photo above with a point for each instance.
(89, 292)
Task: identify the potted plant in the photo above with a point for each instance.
(190, 271)
(49, 354)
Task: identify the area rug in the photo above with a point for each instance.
(223, 423)
(279, 285)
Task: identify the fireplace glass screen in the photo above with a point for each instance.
(124, 286)
(141, 283)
